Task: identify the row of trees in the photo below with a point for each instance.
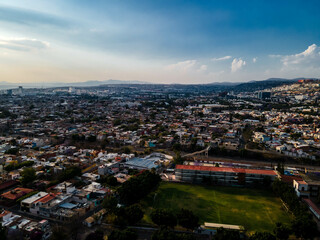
(167, 234)
(108, 180)
(303, 224)
(69, 173)
(126, 234)
(122, 216)
(138, 187)
(11, 167)
(166, 218)
(130, 193)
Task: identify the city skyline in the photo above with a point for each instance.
(158, 41)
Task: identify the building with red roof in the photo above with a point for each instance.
(307, 188)
(13, 195)
(222, 175)
(313, 208)
(42, 201)
(289, 179)
(8, 184)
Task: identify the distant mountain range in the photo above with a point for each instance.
(264, 84)
(91, 83)
(271, 82)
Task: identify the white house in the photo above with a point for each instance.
(301, 188)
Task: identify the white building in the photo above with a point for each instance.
(301, 188)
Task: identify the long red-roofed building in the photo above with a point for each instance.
(313, 207)
(222, 175)
(15, 194)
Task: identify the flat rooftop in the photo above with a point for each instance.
(226, 226)
(227, 169)
(148, 163)
(34, 198)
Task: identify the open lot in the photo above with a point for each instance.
(255, 209)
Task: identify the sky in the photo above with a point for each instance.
(158, 41)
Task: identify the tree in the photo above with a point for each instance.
(243, 152)
(12, 151)
(163, 217)
(305, 227)
(176, 147)
(3, 233)
(36, 235)
(117, 122)
(126, 150)
(124, 216)
(134, 214)
(127, 234)
(74, 227)
(112, 181)
(92, 138)
(178, 159)
(187, 219)
(97, 235)
(262, 236)
(109, 180)
(281, 231)
(110, 203)
(266, 182)
(138, 187)
(185, 236)
(280, 168)
(166, 234)
(69, 173)
(120, 217)
(58, 233)
(28, 176)
(224, 234)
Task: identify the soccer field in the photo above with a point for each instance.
(255, 209)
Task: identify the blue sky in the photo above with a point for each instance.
(158, 41)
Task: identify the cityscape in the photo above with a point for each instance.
(193, 149)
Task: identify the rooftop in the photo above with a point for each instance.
(34, 198)
(312, 205)
(143, 163)
(8, 184)
(4, 213)
(225, 169)
(47, 198)
(226, 226)
(16, 193)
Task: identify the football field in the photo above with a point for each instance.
(255, 209)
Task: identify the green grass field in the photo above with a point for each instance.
(256, 210)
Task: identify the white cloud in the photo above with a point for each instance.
(311, 54)
(305, 63)
(254, 60)
(202, 68)
(23, 44)
(182, 66)
(237, 64)
(221, 58)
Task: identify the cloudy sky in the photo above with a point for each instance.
(165, 41)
